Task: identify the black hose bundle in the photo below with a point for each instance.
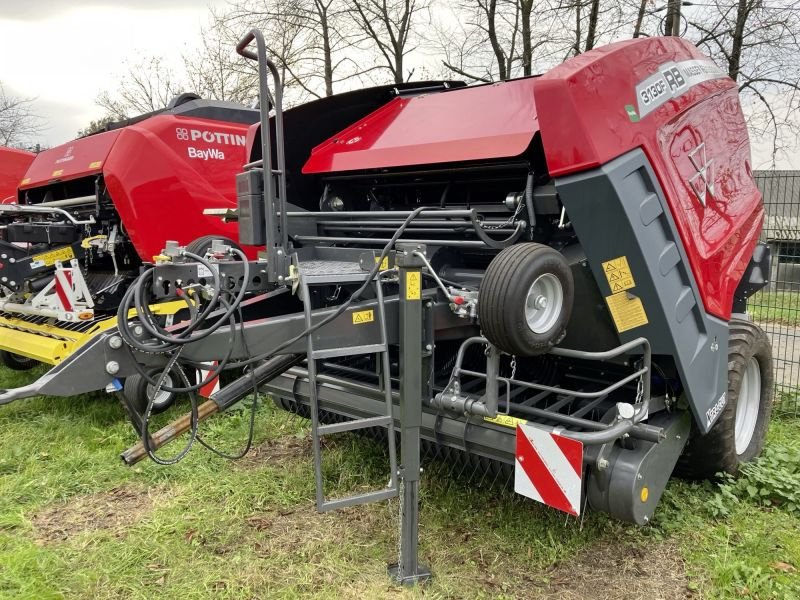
(164, 342)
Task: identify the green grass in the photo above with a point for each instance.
(75, 522)
(776, 307)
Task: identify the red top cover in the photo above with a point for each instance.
(78, 158)
(13, 165)
(476, 123)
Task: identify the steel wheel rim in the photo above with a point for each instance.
(747, 405)
(543, 303)
(163, 396)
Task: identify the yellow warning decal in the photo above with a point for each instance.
(384, 263)
(363, 316)
(413, 285)
(627, 311)
(48, 259)
(505, 420)
(618, 273)
(58, 173)
(96, 164)
(25, 181)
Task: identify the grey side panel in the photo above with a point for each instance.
(619, 210)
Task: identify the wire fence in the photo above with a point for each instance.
(777, 307)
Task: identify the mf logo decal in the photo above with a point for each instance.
(182, 133)
(702, 182)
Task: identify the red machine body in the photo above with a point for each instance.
(696, 140)
(13, 165)
(586, 112)
(161, 173)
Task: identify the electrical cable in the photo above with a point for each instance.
(253, 408)
(347, 303)
(175, 343)
(166, 341)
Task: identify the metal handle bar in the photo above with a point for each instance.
(265, 99)
(52, 210)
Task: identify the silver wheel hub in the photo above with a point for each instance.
(544, 303)
(747, 405)
(163, 396)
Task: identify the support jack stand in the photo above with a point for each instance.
(408, 571)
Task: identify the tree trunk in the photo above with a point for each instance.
(326, 49)
(526, 7)
(591, 32)
(577, 47)
(637, 30)
(734, 64)
(491, 13)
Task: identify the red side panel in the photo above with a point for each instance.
(477, 123)
(78, 158)
(13, 165)
(688, 121)
(163, 172)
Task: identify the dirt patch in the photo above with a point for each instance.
(282, 448)
(301, 526)
(115, 511)
(612, 570)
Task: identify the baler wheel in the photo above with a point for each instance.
(17, 362)
(137, 391)
(738, 435)
(525, 299)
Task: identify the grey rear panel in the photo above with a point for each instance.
(619, 210)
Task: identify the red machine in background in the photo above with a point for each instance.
(13, 165)
(87, 213)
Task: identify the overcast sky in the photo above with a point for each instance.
(65, 52)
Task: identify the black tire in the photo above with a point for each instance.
(17, 362)
(136, 388)
(201, 245)
(715, 452)
(504, 291)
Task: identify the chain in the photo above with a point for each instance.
(640, 389)
(400, 495)
(508, 221)
(513, 365)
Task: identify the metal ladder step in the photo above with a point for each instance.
(336, 272)
(354, 425)
(348, 351)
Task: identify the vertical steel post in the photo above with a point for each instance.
(408, 571)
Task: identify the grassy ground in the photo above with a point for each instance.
(776, 307)
(74, 522)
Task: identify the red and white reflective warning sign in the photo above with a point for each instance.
(212, 386)
(549, 468)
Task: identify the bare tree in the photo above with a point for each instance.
(388, 27)
(147, 86)
(637, 28)
(591, 30)
(594, 22)
(311, 41)
(215, 71)
(505, 25)
(19, 124)
(95, 126)
(759, 46)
